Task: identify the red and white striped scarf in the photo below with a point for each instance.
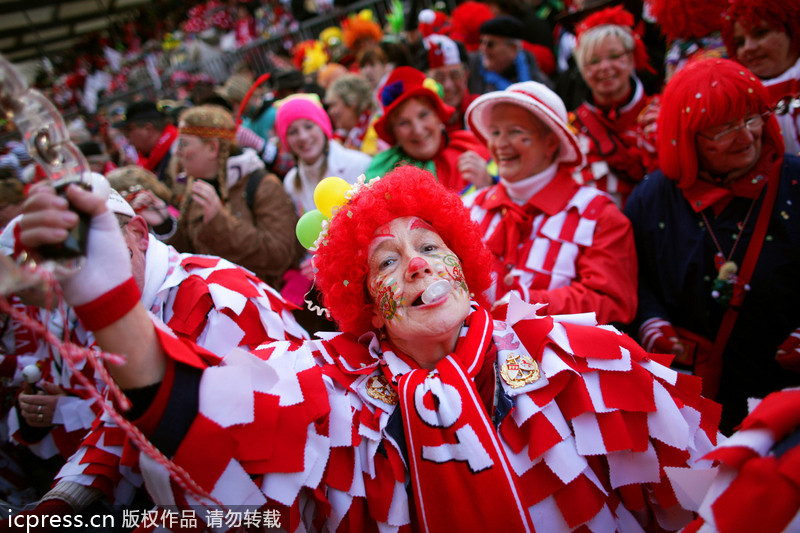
(455, 456)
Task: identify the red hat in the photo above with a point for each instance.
(443, 51)
(431, 22)
(705, 93)
(405, 191)
(404, 83)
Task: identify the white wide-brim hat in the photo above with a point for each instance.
(537, 98)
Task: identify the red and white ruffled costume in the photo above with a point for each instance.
(757, 485)
(205, 299)
(582, 447)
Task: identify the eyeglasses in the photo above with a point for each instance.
(752, 123)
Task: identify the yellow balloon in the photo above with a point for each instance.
(329, 194)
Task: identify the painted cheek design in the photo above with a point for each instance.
(454, 270)
(386, 295)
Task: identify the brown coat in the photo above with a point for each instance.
(262, 239)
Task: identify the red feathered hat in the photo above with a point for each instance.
(702, 94)
(617, 16)
(402, 84)
(405, 191)
(466, 21)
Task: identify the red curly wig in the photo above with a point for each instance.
(702, 94)
(783, 16)
(688, 19)
(405, 191)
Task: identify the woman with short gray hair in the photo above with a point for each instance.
(351, 106)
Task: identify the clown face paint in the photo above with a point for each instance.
(405, 257)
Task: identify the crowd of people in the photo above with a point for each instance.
(509, 268)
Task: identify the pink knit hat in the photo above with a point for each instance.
(299, 106)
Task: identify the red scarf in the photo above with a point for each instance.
(455, 455)
(163, 145)
(704, 194)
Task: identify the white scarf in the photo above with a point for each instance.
(523, 190)
(156, 268)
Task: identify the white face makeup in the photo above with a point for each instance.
(406, 257)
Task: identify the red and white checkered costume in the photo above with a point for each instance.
(205, 299)
(604, 140)
(588, 441)
(757, 486)
(568, 246)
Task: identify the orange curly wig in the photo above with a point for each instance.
(405, 191)
(357, 30)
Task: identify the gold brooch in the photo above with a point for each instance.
(519, 370)
(378, 387)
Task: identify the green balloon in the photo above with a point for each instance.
(308, 227)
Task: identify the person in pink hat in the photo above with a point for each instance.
(554, 242)
(413, 122)
(305, 130)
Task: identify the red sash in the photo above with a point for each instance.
(163, 145)
(625, 160)
(460, 475)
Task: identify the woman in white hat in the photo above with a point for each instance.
(554, 241)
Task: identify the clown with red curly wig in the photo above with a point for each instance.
(423, 399)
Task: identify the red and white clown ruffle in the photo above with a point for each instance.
(588, 442)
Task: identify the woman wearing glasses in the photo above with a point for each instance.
(618, 153)
(717, 232)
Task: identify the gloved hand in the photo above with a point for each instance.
(105, 279)
(788, 354)
(657, 335)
